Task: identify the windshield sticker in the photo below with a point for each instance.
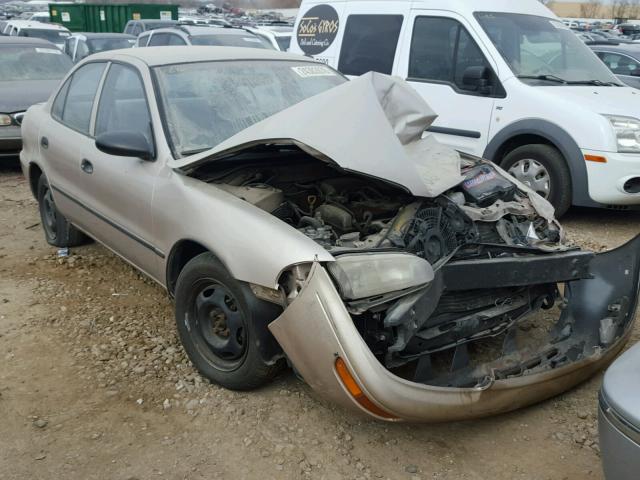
(314, 71)
(252, 40)
(49, 50)
(317, 29)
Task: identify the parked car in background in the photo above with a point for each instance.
(136, 27)
(215, 36)
(278, 36)
(42, 17)
(622, 60)
(629, 28)
(515, 86)
(619, 417)
(82, 44)
(30, 69)
(55, 34)
(219, 22)
(408, 267)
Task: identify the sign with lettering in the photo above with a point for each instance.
(317, 29)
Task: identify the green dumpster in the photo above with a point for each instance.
(107, 17)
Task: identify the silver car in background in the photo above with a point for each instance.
(295, 215)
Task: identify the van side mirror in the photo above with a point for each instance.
(477, 79)
(125, 144)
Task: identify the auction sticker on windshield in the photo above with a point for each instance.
(317, 29)
(314, 71)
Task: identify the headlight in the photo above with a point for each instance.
(627, 131)
(367, 275)
(5, 120)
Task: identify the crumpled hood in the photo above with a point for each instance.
(371, 125)
(17, 96)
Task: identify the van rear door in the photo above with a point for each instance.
(443, 60)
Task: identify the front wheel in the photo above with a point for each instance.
(544, 170)
(216, 326)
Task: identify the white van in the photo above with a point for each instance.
(509, 81)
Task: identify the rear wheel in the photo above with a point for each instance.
(57, 230)
(216, 327)
(544, 170)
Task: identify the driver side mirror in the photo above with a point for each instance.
(125, 144)
(477, 79)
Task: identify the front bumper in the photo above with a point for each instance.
(606, 180)
(10, 142)
(316, 329)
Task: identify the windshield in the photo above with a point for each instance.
(206, 103)
(230, 40)
(103, 44)
(54, 36)
(32, 63)
(284, 43)
(538, 46)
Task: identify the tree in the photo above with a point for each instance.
(590, 9)
(620, 8)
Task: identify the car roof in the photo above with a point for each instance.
(204, 30)
(35, 24)
(626, 48)
(156, 56)
(23, 41)
(90, 35)
(154, 20)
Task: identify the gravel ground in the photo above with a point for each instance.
(94, 384)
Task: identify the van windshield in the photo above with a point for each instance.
(544, 51)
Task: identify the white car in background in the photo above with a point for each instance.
(55, 34)
(278, 36)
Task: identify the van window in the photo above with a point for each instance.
(369, 44)
(442, 50)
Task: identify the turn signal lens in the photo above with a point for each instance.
(595, 158)
(356, 392)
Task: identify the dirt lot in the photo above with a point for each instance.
(94, 384)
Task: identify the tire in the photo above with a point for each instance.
(57, 230)
(554, 167)
(217, 327)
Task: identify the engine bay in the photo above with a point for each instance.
(438, 333)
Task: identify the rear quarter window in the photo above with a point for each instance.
(369, 44)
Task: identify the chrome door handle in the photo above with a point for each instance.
(86, 166)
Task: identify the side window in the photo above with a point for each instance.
(68, 46)
(158, 39)
(82, 51)
(143, 39)
(620, 64)
(80, 97)
(58, 105)
(369, 44)
(137, 29)
(128, 28)
(123, 104)
(442, 50)
(176, 40)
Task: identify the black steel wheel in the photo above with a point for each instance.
(57, 230)
(219, 327)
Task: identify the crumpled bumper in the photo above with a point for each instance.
(316, 329)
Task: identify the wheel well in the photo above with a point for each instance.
(519, 141)
(180, 255)
(35, 172)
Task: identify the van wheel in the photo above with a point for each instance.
(216, 328)
(57, 230)
(543, 169)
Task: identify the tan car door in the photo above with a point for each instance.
(65, 141)
(119, 189)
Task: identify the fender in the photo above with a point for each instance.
(562, 141)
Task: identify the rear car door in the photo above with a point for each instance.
(440, 54)
(66, 141)
(119, 189)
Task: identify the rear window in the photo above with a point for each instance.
(228, 40)
(369, 44)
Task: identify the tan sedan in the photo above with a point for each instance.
(295, 215)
